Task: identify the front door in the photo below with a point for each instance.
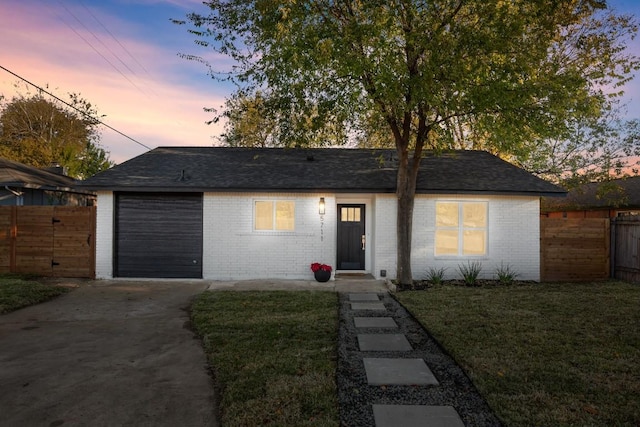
(351, 237)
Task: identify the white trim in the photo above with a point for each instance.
(274, 202)
(460, 228)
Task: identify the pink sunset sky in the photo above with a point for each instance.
(122, 56)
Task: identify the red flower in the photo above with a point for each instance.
(317, 266)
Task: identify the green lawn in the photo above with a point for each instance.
(543, 355)
(273, 355)
(17, 292)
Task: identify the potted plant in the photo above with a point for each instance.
(322, 272)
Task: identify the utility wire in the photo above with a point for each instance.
(95, 36)
(119, 43)
(94, 48)
(71, 106)
(114, 38)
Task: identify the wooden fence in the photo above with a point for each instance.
(53, 241)
(625, 243)
(574, 249)
(59, 241)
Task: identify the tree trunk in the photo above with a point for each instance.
(406, 194)
(404, 231)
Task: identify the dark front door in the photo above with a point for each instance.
(351, 237)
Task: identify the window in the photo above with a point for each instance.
(350, 214)
(278, 215)
(461, 228)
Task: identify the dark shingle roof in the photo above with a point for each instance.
(19, 175)
(617, 193)
(328, 169)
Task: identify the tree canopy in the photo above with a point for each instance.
(594, 149)
(38, 132)
(491, 74)
(252, 121)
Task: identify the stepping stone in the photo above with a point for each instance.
(416, 416)
(367, 306)
(398, 372)
(383, 342)
(363, 297)
(374, 322)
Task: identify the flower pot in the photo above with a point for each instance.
(322, 275)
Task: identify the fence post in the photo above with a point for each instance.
(612, 248)
(13, 237)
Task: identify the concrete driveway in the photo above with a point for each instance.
(110, 353)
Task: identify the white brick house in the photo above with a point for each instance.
(229, 213)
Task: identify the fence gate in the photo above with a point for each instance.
(573, 249)
(625, 244)
(54, 241)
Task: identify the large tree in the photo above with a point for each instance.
(254, 121)
(594, 149)
(426, 72)
(40, 132)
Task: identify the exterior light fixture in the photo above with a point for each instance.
(321, 209)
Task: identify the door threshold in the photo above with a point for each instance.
(360, 275)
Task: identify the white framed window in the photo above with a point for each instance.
(461, 228)
(350, 214)
(274, 215)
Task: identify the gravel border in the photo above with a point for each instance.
(356, 397)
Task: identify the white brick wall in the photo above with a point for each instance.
(104, 235)
(385, 235)
(233, 250)
(513, 237)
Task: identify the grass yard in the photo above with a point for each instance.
(18, 291)
(272, 354)
(549, 354)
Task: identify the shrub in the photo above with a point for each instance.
(470, 272)
(506, 274)
(435, 276)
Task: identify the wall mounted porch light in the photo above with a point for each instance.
(321, 209)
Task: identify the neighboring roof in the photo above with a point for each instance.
(616, 193)
(19, 175)
(320, 169)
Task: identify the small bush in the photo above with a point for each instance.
(435, 276)
(505, 274)
(470, 272)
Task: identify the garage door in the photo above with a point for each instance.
(158, 235)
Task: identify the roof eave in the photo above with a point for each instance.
(195, 189)
(573, 208)
(47, 187)
(494, 192)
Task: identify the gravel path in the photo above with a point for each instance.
(356, 396)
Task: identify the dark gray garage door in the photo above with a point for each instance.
(158, 235)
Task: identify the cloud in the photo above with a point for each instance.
(159, 103)
(158, 97)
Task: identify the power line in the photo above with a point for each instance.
(94, 48)
(95, 36)
(114, 38)
(117, 41)
(73, 107)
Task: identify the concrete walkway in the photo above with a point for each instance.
(397, 371)
(110, 353)
(392, 373)
(350, 284)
